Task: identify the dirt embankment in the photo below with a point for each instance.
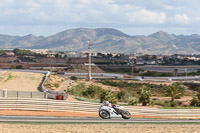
(21, 81)
(81, 68)
(55, 82)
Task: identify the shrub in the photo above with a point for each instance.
(108, 96)
(19, 67)
(13, 67)
(73, 78)
(120, 95)
(56, 85)
(16, 67)
(194, 102)
(77, 90)
(92, 91)
(133, 102)
(174, 104)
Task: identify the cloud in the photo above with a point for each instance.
(100, 13)
(180, 19)
(5, 2)
(147, 17)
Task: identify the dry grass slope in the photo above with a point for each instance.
(21, 81)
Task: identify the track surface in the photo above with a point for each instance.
(87, 120)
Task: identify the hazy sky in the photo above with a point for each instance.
(133, 17)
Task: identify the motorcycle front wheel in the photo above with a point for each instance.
(126, 115)
(104, 114)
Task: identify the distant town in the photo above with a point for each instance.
(108, 62)
(58, 57)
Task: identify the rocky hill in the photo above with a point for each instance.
(107, 40)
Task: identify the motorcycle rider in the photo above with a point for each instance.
(106, 103)
(107, 110)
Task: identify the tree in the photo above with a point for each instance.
(144, 95)
(174, 91)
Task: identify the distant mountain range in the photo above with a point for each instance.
(107, 40)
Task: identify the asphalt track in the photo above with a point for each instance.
(26, 119)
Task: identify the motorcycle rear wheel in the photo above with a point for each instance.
(126, 115)
(104, 114)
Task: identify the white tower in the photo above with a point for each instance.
(89, 65)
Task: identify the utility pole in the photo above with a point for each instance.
(89, 56)
(185, 72)
(132, 69)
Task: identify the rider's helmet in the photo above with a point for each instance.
(106, 103)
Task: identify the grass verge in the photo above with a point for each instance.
(179, 108)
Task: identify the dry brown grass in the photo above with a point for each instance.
(55, 82)
(21, 81)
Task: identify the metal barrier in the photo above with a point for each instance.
(87, 107)
(51, 94)
(22, 94)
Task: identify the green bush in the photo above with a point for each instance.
(174, 104)
(120, 95)
(56, 85)
(19, 67)
(16, 67)
(157, 90)
(108, 96)
(92, 91)
(12, 67)
(194, 102)
(77, 90)
(73, 78)
(133, 102)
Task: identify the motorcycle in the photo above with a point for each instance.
(108, 112)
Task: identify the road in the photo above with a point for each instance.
(87, 120)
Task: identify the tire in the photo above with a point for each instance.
(126, 115)
(104, 114)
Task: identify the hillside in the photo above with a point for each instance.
(21, 81)
(107, 40)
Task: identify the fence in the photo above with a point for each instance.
(22, 94)
(78, 106)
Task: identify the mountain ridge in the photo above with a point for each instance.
(107, 40)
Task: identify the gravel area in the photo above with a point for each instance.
(98, 128)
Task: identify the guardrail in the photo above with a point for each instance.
(51, 94)
(121, 76)
(87, 107)
(22, 94)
